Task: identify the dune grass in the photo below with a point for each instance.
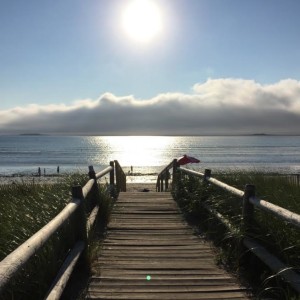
(277, 236)
(24, 209)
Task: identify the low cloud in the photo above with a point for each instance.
(217, 106)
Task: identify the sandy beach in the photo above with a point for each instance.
(143, 186)
(31, 179)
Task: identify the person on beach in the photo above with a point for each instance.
(39, 171)
(57, 169)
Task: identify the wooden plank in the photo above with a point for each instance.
(147, 236)
(158, 288)
(164, 272)
(166, 277)
(167, 296)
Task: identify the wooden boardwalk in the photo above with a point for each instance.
(151, 253)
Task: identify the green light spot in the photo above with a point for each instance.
(148, 277)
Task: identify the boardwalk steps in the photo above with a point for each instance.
(151, 253)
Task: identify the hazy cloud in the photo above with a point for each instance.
(217, 106)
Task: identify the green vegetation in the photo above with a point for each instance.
(25, 209)
(279, 237)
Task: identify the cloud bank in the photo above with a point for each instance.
(218, 106)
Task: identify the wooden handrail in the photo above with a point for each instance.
(276, 210)
(13, 262)
(120, 177)
(65, 272)
(19, 257)
(104, 172)
(163, 176)
(249, 202)
(278, 267)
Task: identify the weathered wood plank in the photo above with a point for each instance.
(151, 253)
(155, 288)
(167, 296)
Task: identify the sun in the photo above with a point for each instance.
(142, 20)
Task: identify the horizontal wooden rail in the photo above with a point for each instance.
(276, 210)
(104, 172)
(278, 267)
(88, 187)
(214, 181)
(92, 218)
(19, 257)
(65, 272)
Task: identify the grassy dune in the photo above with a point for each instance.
(24, 209)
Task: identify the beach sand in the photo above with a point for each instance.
(30, 179)
(141, 187)
(48, 179)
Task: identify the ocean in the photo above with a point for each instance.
(148, 154)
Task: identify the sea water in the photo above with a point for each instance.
(147, 154)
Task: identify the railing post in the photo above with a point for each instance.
(175, 166)
(117, 175)
(167, 179)
(112, 174)
(207, 174)
(174, 173)
(112, 187)
(248, 208)
(92, 175)
(79, 216)
(161, 183)
(123, 181)
(158, 184)
(120, 177)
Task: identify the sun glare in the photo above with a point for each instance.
(139, 150)
(142, 20)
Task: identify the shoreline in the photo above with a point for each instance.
(14, 179)
(144, 186)
(132, 180)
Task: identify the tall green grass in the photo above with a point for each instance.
(279, 237)
(24, 209)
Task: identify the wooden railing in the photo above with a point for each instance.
(12, 263)
(163, 178)
(249, 202)
(120, 177)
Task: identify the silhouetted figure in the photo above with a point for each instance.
(57, 169)
(39, 171)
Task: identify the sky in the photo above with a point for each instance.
(212, 67)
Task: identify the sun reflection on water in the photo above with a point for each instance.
(139, 150)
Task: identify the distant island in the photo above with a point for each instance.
(32, 134)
